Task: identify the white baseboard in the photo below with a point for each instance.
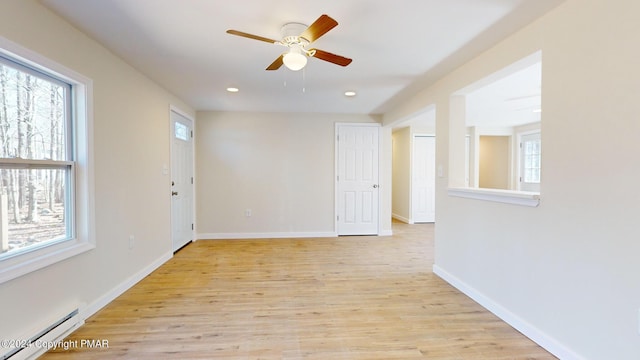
(274, 235)
(402, 218)
(277, 235)
(544, 340)
(124, 286)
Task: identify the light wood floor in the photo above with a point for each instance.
(336, 298)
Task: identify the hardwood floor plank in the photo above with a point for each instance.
(319, 298)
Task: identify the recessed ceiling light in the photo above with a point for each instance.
(350, 93)
(233, 89)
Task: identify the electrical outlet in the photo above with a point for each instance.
(247, 213)
(132, 241)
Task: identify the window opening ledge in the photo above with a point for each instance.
(523, 198)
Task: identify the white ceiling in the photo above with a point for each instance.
(397, 46)
(510, 101)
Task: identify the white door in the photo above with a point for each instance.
(530, 156)
(357, 179)
(423, 182)
(181, 180)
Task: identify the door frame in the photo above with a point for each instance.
(335, 171)
(177, 110)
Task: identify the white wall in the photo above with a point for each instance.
(131, 145)
(279, 165)
(566, 272)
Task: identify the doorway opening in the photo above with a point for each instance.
(414, 169)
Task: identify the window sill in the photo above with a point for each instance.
(522, 198)
(28, 262)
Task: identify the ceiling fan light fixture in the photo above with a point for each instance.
(294, 59)
(296, 37)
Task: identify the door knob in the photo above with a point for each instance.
(375, 186)
(174, 193)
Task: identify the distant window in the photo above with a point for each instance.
(181, 131)
(532, 161)
(44, 188)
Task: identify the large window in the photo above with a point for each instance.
(45, 182)
(36, 164)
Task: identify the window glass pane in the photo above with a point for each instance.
(35, 206)
(32, 207)
(532, 156)
(32, 115)
(528, 177)
(182, 131)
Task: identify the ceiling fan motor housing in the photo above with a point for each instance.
(291, 34)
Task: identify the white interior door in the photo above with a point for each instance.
(357, 179)
(423, 180)
(181, 180)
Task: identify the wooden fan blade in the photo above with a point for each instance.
(276, 64)
(319, 28)
(250, 36)
(332, 58)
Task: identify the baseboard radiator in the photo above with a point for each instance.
(39, 343)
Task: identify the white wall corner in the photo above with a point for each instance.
(402, 219)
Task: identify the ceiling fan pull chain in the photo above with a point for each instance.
(304, 80)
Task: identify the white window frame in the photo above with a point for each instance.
(82, 186)
(522, 185)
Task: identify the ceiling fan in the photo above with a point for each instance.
(296, 37)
